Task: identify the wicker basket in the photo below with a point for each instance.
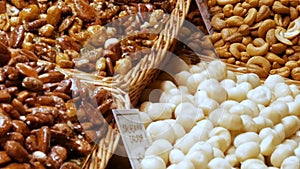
(147, 69)
(126, 89)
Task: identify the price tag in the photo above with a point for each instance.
(133, 135)
(203, 8)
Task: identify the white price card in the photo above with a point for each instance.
(133, 134)
(203, 8)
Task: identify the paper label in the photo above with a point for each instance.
(133, 134)
(202, 5)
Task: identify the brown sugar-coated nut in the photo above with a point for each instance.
(16, 151)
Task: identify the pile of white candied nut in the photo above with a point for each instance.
(216, 119)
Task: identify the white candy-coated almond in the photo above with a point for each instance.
(267, 145)
(231, 158)
(261, 95)
(246, 137)
(297, 151)
(253, 163)
(240, 109)
(295, 90)
(218, 142)
(281, 90)
(160, 111)
(144, 106)
(153, 162)
(252, 105)
(247, 150)
(214, 90)
(200, 133)
(218, 153)
(285, 99)
(182, 77)
(199, 160)
(225, 119)
(227, 83)
(172, 166)
(167, 85)
(176, 156)
(290, 163)
(272, 80)
(219, 163)
(280, 107)
(186, 142)
(291, 125)
(155, 131)
(206, 104)
(248, 124)
(231, 75)
(262, 122)
(236, 94)
(203, 148)
(221, 132)
(271, 114)
(266, 132)
(228, 104)
(194, 80)
(185, 164)
(279, 131)
(294, 108)
(251, 78)
(280, 154)
(217, 70)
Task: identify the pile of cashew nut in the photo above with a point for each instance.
(209, 117)
(262, 35)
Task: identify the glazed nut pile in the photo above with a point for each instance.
(56, 31)
(262, 35)
(214, 118)
(47, 121)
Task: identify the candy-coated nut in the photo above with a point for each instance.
(214, 90)
(219, 163)
(251, 78)
(185, 164)
(194, 80)
(203, 148)
(271, 114)
(153, 162)
(294, 108)
(247, 150)
(186, 115)
(291, 125)
(218, 143)
(217, 70)
(249, 124)
(260, 95)
(198, 159)
(280, 154)
(176, 156)
(253, 163)
(290, 162)
(185, 143)
(160, 148)
(225, 119)
(181, 78)
(252, 105)
(206, 104)
(246, 137)
(155, 131)
(272, 80)
(160, 111)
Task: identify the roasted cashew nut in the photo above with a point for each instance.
(263, 12)
(236, 49)
(259, 65)
(283, 71)
(257, 51)
(293, 30)
(234, 21)
(279, 34)
(274, 58)
(225, 2)
(265, 26)
(270, 37)
(217, 21)
(250, 17)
